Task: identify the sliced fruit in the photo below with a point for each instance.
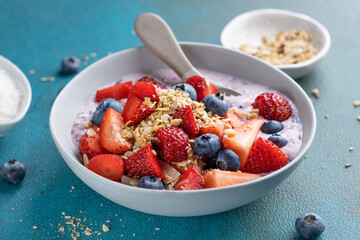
(202, 87)
(117, 92)
(264, 157)
(216, 128)
(243, 140)
(145, 90)
(110, 133)
(171, 174)
(144, 163)
(135, 110)
(234, 119)
(218, 178)
(152, 81)
(191, 179)
(188, 123)
(90, 143)
(109, 166)
(273, 106)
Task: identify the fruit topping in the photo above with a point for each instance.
(90, 143)
(100, 111)
(186, 88)
(272, 106)
(265, 156)
(207, 145)
(191, 179)
(136, 110)
(234, 119)
(152, 81)
(219, 178)
(309, 225)
(70, 65)
(188, 123)
(151, 182)
(119, 91)
(216, 128)
(144, 163)
(170, 172)
(110, 133)
(227, 160)
(13, 172)
(278, 140)
(144, 90)
(272, 126)
(174, 144)
(216, 104)
(109, 166)
(202, 87)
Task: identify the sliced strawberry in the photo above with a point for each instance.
(272, 106)
(216, 128)
(117, 92)
(188, 123)
(219, 178)
(144, 163)
(109, 166)
(264, 157)
(174, 144)
(191, 179)
(135, 110)
(90, 143)
(243, 139)
(145, 90)
(110, 133)
(202, 87)
(152, 81)
(234, 119)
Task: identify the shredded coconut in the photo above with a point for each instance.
(9, 97)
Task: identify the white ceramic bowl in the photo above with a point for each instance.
(22, 83)
(175, 203)
(252, 26)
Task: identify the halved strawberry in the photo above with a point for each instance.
(152, 81)
(144, 163)
(135, 110)
(188, 123)
(234, 119)
(273, 106)
(145, 89)
(90, 143)
(117, 92)
(264, 157)
(109, 166)
(191, 179)
(219, 178)
(216, 128)
(243, 139)
(202, 87)
(174, 144)
(110, 133)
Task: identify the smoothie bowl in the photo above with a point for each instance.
(74, 108)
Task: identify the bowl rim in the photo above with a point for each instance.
(301, 17)
(25, 82)
(138, 189)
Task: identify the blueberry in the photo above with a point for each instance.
(207, 145)
(13, 172)
(227, 160)
(272, 126)
(216, 104)
(309, 225)
(70, 65)
(151, 182)
(278, 140)
(186, 88)
(103, 107)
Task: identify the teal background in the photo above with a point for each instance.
(38, 34)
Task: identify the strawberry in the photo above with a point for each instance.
(202, 87)
(272, 106)
(234, 119)
(174, 144)
(152, 81)
(243, 140)
(188, 123)
(110, 133)
(265, 156)
(117, 92)
(144, 89)
(90, 143)
(219, 178)
(144, 163)
(216, 128)
(191, 179)
(109, 166)
(135, 110)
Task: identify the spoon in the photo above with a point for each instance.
(157, 37)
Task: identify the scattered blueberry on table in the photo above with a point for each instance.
(70, 65)
(207, 145)
(103, 106)
(13, 172)
(186, 88)
(309, 225)
(216, 104)
(151, 182)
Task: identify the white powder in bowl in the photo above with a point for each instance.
(9, 97)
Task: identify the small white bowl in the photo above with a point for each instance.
(22, 83)
(251, 26)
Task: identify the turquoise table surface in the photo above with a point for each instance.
(36, 35)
